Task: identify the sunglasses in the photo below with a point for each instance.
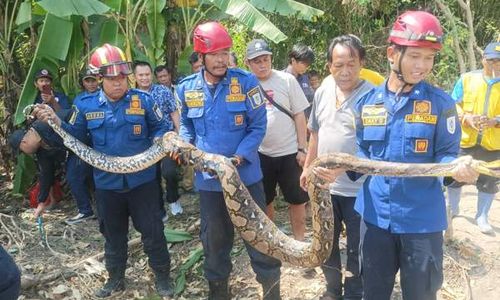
(116, 69)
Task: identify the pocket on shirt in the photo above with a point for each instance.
(136, 127)
(375, 136)
(419, 140)
(196, 116)
(97, 131)
(237, 116)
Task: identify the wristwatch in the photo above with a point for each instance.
(303, 150)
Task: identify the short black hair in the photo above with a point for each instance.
(138, 63)
(15, 140)
(163, 68)
(350, 41)
(301, 53)
(313, 73)
(193, 58)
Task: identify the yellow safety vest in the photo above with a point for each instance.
(479, 98)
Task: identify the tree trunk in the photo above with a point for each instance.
(471, 42)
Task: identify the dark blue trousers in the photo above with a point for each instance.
(217, 235)
(141, 204)
(343, 211)
(10, 277)
(169, 172)
(418, 257)
(79, 177)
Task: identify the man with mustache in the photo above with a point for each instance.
(223, 112)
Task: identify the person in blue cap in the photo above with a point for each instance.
(46, 93)
(122, 122)
(78, 172)
(477, 95)
(223, 112)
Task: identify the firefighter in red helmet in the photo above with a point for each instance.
(406, 120)
(122, 122)
(223, 112)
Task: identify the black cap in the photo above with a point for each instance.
(257, 48)
(15, 139)
(88, 74)
(43, 73)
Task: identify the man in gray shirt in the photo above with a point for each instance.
(332, 130)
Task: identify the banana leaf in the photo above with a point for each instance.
(177, 236)
(247, 14)
(64, 8)
(288, 8)
(25, 172)
(180, 281)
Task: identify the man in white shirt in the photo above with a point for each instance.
(283, 150)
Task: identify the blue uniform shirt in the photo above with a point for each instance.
(60, 98)
(228, 119)
(422, 127)
(122, 128)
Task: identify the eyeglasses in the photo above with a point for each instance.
(115, 69)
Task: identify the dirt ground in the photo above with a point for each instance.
(71, 266)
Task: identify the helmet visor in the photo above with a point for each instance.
(123, 68)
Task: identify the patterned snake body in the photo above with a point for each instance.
(250, 221)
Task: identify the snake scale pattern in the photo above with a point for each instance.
(249, 220)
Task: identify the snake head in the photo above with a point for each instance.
(28, 110)
(487, 168)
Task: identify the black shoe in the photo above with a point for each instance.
(162, 284)
(218, 290)
(114, 284)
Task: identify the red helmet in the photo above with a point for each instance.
(211, 37)
(417, 29)
(109, 60)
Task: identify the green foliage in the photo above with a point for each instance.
(180, 280)
(177, 236)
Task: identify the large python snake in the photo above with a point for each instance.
(249, 220)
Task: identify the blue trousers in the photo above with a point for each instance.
(217, 235)
(79, 177)
(141, 204)
(10, 277)
(343, 211)
(418, 257)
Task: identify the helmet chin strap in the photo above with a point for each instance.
(399, 74)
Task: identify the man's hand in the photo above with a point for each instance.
(301, 158)
(327, 175)
(485, 122)
(44, 113)
(236, 160)
(463, 172)
(471, 121)
(303, 179)
(40, 209)
(48, 98)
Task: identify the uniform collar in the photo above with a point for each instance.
(200, 80)
(103, 99)
(417, 92)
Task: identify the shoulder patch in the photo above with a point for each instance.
(74, 115)
(256, 97)
(451, 124)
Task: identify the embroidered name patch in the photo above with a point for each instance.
(417, 118)
(93, 115)
(421, 145)
(194, 98)
(374, 115)
(135, 106)
(256, 98)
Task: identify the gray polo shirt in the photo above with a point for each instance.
(336, 129)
